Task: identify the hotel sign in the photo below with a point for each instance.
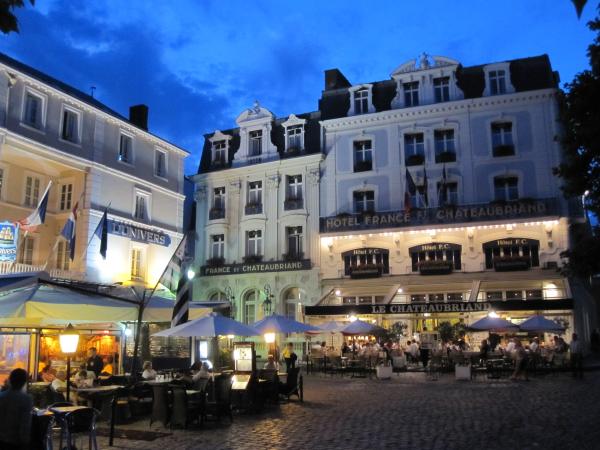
(523, 209)
(240, 269)
(138, 234)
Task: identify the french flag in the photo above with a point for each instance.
(68, 231)
(37, 217)
(410, 189)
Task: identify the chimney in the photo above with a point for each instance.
(138, 115)
(334, 79)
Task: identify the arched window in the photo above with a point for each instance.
(249, 307)
(217, 297)
(291, 300)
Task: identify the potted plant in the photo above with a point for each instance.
(215, 262)
(293, 256)
(415, 160)
(435, 267)
(504, 150)
(252, 259)
(511, 262)
(445, 157)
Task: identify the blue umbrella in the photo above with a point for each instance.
(328, 327)
(493, 324)
(280, 324)
(358, 327)
(539, 324)
(212, 325)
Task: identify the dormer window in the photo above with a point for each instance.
(294, 138)
(219, 153)
(441, 89)
(255, 143)
(411, 93)
(361, 101)
(497, 82)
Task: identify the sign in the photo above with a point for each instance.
(240, 269)
(9, 236)
(434, 247)
(138, 234)
(521, 209)
(511, 242)
(366, 252)
(450, 307)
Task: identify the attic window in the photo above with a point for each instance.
(361, 101)
(497, 80)
(219, 153)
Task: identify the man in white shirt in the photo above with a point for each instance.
(576, 349)
(59, 384)
(510, 348)
(535, 345)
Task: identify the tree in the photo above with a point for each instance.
(8, 21)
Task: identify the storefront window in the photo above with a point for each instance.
(366, 262)
(14, 353)
(349, 300)
(418, 298)
(435, 257)
(455, 297)
(493, 295)
(532, 294)
(511, 254)
(436, 297)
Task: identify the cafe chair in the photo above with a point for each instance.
(220, 404)
(41, 432)
(122, 410)
(294, 385)
(78, 422)
(160, 405)
(53, 397)
(184, 409)
(140, 399)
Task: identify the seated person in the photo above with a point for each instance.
(148, 372)
(201, 376)
(108, 366)
(271, 364)
(59, 384)
(82, 380)
(48, 373)
(15, 413)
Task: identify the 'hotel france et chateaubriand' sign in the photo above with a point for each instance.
(521, 209)
(138, 234)
(8, 241)
(270, 266)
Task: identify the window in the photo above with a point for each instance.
(290, 310)
(141, 208)
(136, 264)
(255, 147)
(441, 89)
(26, 250)
(455, 296)
(218, 296)
(125, 149)
(1, 181)
(254, 205)
(294, 242)
(414, 149)
(32, 191)
(502, 139)
(219, 198)
(363, 156)
(250, 308)
(519, 253)
(217, 247)
(62, 255)
(497, 80)
(411, 93)
(364, 201)
(219, 153)
(447, 193)
(445, 150)
(160, 164)
(254, 243)
(66, 196)
(366, 261)
(506, 188)
(361, 101)
(294, 138)
(70, 126)
(32, 114)
(452, 254)
(493, 295)
(293, 193)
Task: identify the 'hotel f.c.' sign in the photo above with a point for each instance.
(521, 209)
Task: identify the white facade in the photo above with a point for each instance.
(52, 132)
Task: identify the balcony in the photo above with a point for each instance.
(363, 166)
(252, 259)
(253, 208)
(8, 268)
(445, 157)
(216, 213)
(293, 256)
(415, 160)
(503, 150)
(293, 203)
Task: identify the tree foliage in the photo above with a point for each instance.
(8, 20)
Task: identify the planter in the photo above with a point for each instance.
(252, 259)
(445, 157)
(216, 213)
(215, 262)
(435, 267)
(384, 372)
(253, 208)
(293, 203)
(510, 263)
(503, 150)
(462, 372)
(366, 271)
(292, 256)
(363, 166)
(415, 160)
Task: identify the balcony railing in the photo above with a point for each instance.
(8, 268)
(253, 208)
(216, 213)
(293, 203)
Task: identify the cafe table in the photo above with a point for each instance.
(105, 389)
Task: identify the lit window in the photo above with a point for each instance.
(66, 196)
(160, 166)
(441, 89)
(62, 255)
(32, 114)
(364, 201)
(217, 249)
(506, 188)
(125, 146)
(497, 80)
(363, 156)
(254, 243)
(255, 147)
(294, 241)
(411, 93)
(136, 264)
(361, 101)
(70, 127)
(32, 191)
(294, 138)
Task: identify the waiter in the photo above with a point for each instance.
(94, 362)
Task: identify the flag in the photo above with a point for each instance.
(102, 233)
(182, 302)
(442, 192)
(37, 217)
(410, 189)
(172, 275)
(68, 231)
(425, 194)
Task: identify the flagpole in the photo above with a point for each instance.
(84, 252)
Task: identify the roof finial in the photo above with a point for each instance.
(424, 61)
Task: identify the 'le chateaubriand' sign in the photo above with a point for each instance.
(271, 266)
(521, 209)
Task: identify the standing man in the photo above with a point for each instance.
(15, 413)
(94, 362)
(289, 356)
(576, 357)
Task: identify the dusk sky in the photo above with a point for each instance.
(198, 64)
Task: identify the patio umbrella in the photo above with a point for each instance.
(539, 324)
(212, 325)
(358, 327)
(328, 327)
(493, 324)
(280, 324)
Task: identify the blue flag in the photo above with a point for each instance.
(102, 233)
(69, 230)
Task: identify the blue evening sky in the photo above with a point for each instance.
(198, 63)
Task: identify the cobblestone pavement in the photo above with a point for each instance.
(409, 412)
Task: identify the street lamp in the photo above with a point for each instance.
(231, 299)
(68, 339)
(268, 303)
